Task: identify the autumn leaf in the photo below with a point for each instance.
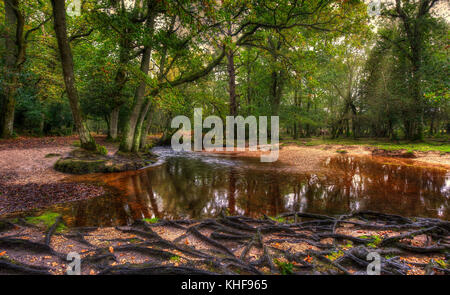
(2, 253)
(111, 249)
(308, 259)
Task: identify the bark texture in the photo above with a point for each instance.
(59, 18)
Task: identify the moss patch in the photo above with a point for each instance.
(46, 220)
(286, 268)
(151, 220)
(84, 162)
(335, 255)
(52, 155)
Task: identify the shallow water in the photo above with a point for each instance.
(197, 185)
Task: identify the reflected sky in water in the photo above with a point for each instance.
(197, 185)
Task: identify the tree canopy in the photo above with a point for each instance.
(126, 68)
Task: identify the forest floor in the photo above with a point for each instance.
(27, 177)
(293, 243)
(313, 244)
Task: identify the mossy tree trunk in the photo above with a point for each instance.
(59, 20)
(114, 123)
(148, 124)
(130, 130)
(13, 59)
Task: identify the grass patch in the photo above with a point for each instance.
(429, 144)
(347, 246)
(278, 219)
(441, 263)
(151, 220)
(335, 255)
(376, 240)
(100, 149)
(46, 220)
(286, 268)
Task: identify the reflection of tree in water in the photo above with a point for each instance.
(370, 184)
(185, 187)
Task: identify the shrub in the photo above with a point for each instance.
(101, 150)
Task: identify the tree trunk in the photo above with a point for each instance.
(232, 82)
(276, 91)
(113, 123)
(13, 59)
(146, 130)
(130, 128)
(139, 125)
(59, 20)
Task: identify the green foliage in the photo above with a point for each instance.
(321, 66)
(286, 268)
(100, 149)
(441, 263)
(375, 240)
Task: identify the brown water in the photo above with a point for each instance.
(197, 185)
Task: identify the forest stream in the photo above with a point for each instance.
(198, 185)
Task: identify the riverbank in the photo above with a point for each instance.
(433, 152)
(293, 243)
(27, 177)
(297, 158)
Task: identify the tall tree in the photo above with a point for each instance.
(414, 18)
(15, 41)
(65, 52)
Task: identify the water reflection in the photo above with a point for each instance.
(199, 186)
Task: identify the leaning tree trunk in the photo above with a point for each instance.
(138, 132)
(130, 128)
(59, 19)
(148, 124)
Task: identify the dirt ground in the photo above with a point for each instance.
(26, 166)
(311, 244)
(29, 160)
(27, 176)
